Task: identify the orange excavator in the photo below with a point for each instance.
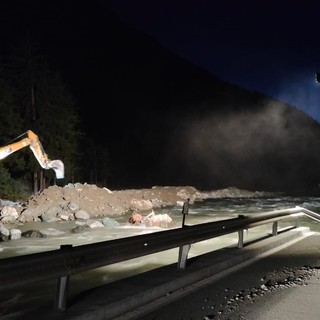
(32, 140)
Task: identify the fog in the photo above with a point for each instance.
(261, 148)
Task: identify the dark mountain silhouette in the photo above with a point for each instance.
(163, 120)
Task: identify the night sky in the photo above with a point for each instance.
(268, 46)
(156, 118)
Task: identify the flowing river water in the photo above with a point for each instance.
(200, 212)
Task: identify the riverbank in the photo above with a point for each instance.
(93, 207)
(63, 203)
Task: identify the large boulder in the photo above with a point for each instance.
(8, 214)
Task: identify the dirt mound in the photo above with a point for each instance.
(104, 202)
(86, 201)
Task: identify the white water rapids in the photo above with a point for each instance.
(199, 212)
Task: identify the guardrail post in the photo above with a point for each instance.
(185, 211)
(240, 233)
(275, 228)
(62, 288)
(183, 256)
(240, 239)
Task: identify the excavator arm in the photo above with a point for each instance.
(35, 145)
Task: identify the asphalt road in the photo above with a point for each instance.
(284, 285)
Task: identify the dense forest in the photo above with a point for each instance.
(123, 112)
(33, 96)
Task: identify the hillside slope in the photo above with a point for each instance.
(162, 120)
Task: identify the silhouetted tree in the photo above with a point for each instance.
(45, 106)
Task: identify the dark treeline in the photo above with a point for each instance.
(123, 112)
(33, 96)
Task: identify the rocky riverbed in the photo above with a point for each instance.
(86, 203)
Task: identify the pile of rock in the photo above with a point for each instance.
(81, 201)
(85, 202)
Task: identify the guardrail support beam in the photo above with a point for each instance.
(60, 301)
(240, 239)
(275, 228)
(183, 256)
(62, 288)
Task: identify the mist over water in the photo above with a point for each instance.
(262, 145)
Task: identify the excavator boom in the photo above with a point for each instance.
(35, 145)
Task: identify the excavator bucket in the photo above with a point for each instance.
(58, 167)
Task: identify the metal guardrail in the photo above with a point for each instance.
(69, 260)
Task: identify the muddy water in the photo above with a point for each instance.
(206, 211)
